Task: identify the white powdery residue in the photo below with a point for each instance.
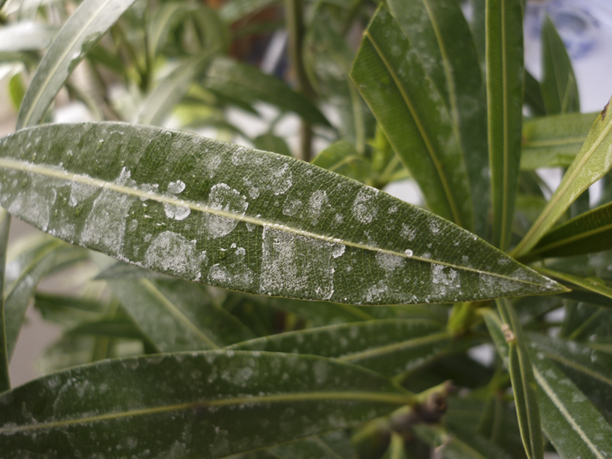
(239, 156)
(252, 190)
(315, 205)
(364, 209)
(296, 265)
(338, 219)
(226, 199)
(235, 275)
(33, 207)
(434, 227)
(149, 189)
(133, 226)
(292, 207)
(376, 292)
(338, 250)
(389, 262)
(409, 252)
(176, 212)
(281, 180)
(407, 232)
(174, 254)
(79, 192)
(465, 259)
(443, 279)
(176, 187)
(503, 261)
(211, 165)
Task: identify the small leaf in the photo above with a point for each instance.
(570, 421)
(533, 95)
(204, 405)
(589, 232)
(244, 219)
(523, 382)
(559, 86)
(592, 163)
(270, 142)
(504, 74)
(554, 141)
(191, 319)
(390, 76)
(78, 35)
(5, 381)
(388, 347)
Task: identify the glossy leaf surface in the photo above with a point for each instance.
(504, 71)
(388, 347)
(209, 404)
(554, 141)
(591, 164)
(78, 35)
(390, 76)
(5, 382)
(244, 219)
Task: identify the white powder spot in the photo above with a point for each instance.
(364, 209)
(174, 254)
(176, 212)
(316, 203)
(389, 262)
(212, 164)
(409, 252)
(407, 232)
(148, 237)
(292, 207)
(176, 187)
(79, 192)
(33, 207)
(434, 227)
(282, 179)
(338, 250)
(133, 226)
(239, 156)
(236, 275)
(465, 259)
(503, 261)
(252, 190)
(338, 219)
(226, 199)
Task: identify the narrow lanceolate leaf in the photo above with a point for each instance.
(248, 83)
(80, 33)
(166, 17)
(589, 232)
(554, 141)
(504, 72)
(442, 37)
(559, 86)
(244, 219)
(200, 405)
(390, 76)
(494, 326)
(571, 422)
(592, 162)
(594, 284)
(5, 382)
(25, 36)
(388, 347)
(532, 92)
(191, 319)
(523, 382)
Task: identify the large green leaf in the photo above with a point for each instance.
(570, 421)
(554, 141)
(244, 219)
(80, 33)
(559, 86)
(441, 36)
(5, 382)
(250, 84)
(591, 164)
(178, 315)
(191, 405)
(589, 232)
(504, 75)
(388, 346)
(390, 76)
(523, 382)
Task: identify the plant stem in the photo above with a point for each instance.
(295, 27)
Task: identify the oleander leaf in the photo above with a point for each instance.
(571, 422)
(190, 405)
(532, 92)
(237, 9)
(342, 157)
(554, 141)
(78, 35)
(590, 284)
(592, 162)
(191, 319)
(305, 449)
(504, 76)
(270, 142)
(5, 381)
(462, 445)
(244, 219)
(390, 76)
(388, 347)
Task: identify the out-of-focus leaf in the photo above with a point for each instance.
(16, 90)
(166, 17)
(342, 157)
(68, 311)
(238, 218)
(504, 75)
(413, 116)
(494, 325)
(191, 319)
(305, 449)
(554, 141)
(442, 37)
(466, 446)
(78, 35)
(533, 96)
(523, 382)
(592, 162)
(273, 143)
(589, 232)
(238, 9)
(396, 448)
(388, 347)
(570, 421)
(25, 36)
(559, 86)
(478, 24)
(592, 284)
(209, 404)
(117, 327)
(5, 381)
(249, 83)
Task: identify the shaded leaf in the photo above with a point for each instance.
(237, 9)
(466, 446)
(342, 157)
(391, 78)
(305, 449)
(396, 448)
(270, 142)
(554, 141)
(533, 95)
(504, 75)
(78, 35)
(591, 164)
(244, 219)
(388, 347)
(236, 401)
(591, 284)
(5, 381)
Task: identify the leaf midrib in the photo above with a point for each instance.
(376, 397)
(94, 182)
